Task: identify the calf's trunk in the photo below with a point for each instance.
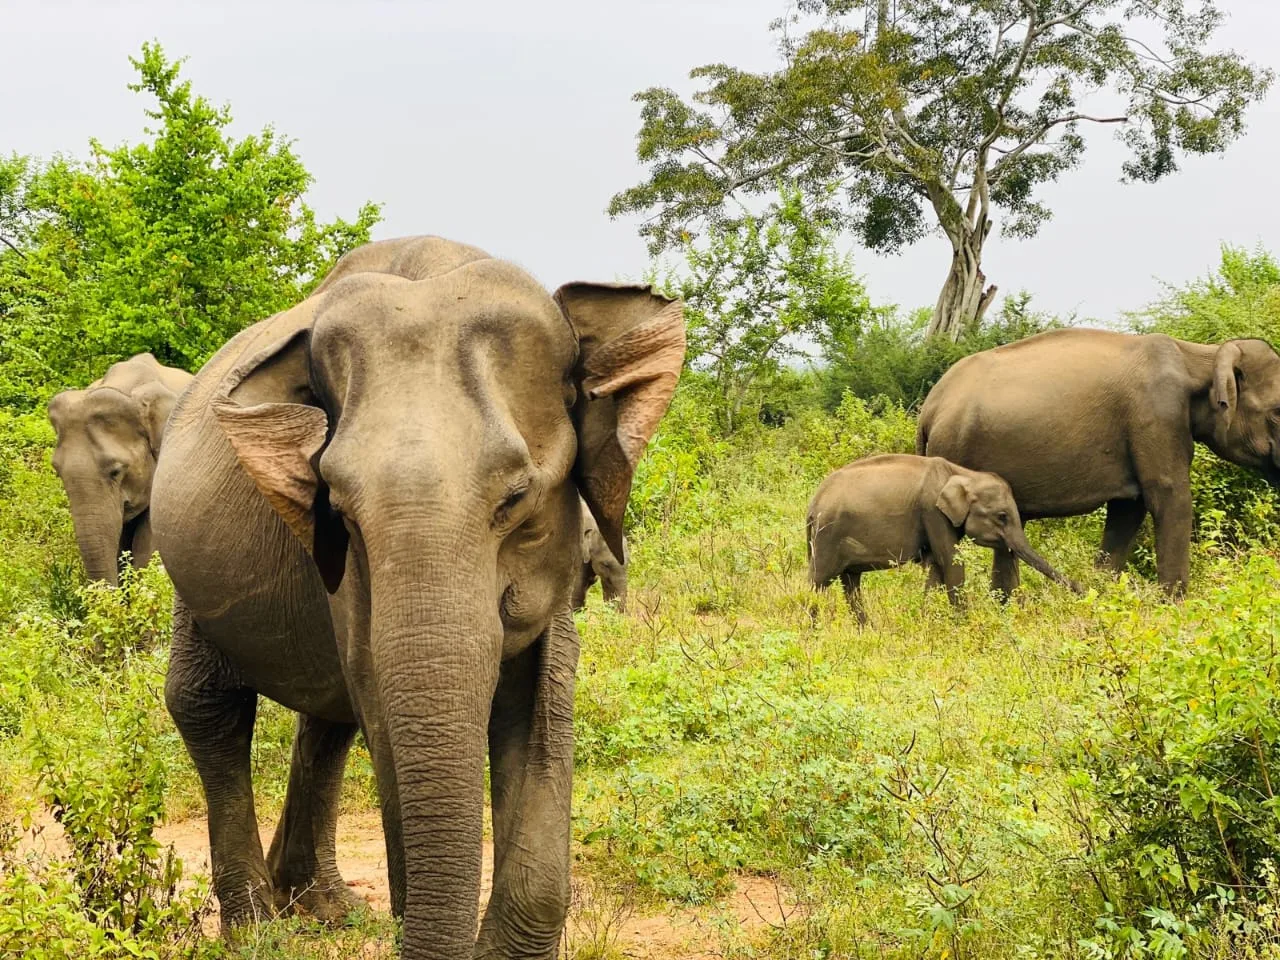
(1017, 543)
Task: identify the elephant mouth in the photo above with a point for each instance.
(129, 531)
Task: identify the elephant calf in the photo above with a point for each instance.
(882, 511)
(598, 561)
(108, 439)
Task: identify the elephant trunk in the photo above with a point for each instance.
(1016, 540)
(436, 641)
(98, 518)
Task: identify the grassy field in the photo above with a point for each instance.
(1061, 776)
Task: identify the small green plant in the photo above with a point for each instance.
(1176, 776)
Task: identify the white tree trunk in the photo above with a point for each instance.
(963, 299)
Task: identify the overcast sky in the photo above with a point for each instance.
(509, 124)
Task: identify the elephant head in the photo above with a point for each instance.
(1245, 401)
(425, 433)
(107, 443)
(982, 505)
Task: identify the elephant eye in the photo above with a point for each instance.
(502, 516)
(116, 472)
(1003, 517)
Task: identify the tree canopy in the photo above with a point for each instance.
(759, 290)
(171, 245)
(940, 115)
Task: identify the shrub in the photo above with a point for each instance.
(1177, 774)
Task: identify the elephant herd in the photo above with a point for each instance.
(381, 506)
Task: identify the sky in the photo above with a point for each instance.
(509, 124)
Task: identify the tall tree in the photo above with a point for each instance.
(171, 245)
(937, 115)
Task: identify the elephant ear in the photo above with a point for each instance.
(955, 499)
(155, 403)
(272, 421)
(630, 352)
(1226, 369)
(61, 405)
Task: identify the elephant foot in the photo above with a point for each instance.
(329, 903)
(253, 906)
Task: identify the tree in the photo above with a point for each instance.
(934, 114)
(756, 289)
(172, 245)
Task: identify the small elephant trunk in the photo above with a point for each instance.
(98, 526)
(1017, 543)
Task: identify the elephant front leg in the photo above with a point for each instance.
(303, 857)
(1004, 573)
(1172, 513)
(531, 770)
(215, 715)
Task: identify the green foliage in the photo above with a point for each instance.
(1241, 298)
(893, 358)
(1180, 761)
(170, 246)
(85, 698)
(755, 291)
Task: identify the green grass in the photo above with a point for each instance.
(941, 784)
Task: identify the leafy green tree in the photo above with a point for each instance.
(172, 245)
(757, 290)
(936, 114)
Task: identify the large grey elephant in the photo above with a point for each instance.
(598, 562)
(886, 510)
(109, 436)
(368, 505)
(1075, 419)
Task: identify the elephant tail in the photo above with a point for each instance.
(817, 578)
(922, 436)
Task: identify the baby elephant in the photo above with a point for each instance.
(598, 561)
(883, 511)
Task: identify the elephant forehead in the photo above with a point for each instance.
(486, 301)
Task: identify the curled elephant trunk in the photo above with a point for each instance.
(1017, 543)
(436, 642)
(98, 529)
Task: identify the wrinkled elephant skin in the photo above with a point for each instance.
(369, 508)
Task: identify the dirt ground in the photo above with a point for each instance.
(690, 934)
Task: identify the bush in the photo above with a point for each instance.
(892, 358)
(1179, 767)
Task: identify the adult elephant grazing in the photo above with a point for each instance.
(368, 505)
(108, 439)
(1074, 419)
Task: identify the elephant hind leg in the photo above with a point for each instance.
(852, 582)
(1124, 520)
(303, 858)
(215, 715)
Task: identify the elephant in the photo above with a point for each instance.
(108, 438)
(1076, 419)
(886, 510)
(598, 561)
(368, 506)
